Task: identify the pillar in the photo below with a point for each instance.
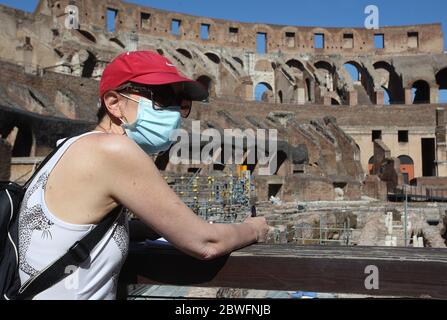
(434, 92)
(301, 96)
(380, 97)
(408, 96)
(352, 98)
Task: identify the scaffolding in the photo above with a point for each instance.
(323, 233)
(223, 198)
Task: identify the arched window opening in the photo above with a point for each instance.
(87, 35)
(262, 91)
(207, 83)
(406, 168)
(390, 81)
(213, 57)
(185, 53)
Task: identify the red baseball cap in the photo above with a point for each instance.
(150, 68)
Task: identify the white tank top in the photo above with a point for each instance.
(43, 238)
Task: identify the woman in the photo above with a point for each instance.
(143, 98)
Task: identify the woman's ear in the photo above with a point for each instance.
(112, 101)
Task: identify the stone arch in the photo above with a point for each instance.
(208, 83)
(185, 53)
(420, 92)
(392, 83)
(263, 91)
(404, 159)
(213, 57)
(364, 78)
(322, 64)
(352, 66)
(406, 167)
(86, 35)
(325, 76)
(239, 60)
(295, 64)
(118, 42)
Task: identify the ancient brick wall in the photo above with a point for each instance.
(291, 39)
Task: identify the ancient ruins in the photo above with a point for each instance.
(347, 145)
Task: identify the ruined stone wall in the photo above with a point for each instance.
(228, 64)
(375, 188)
(290, 39)
(49, 93)
(358, 122)
(48, 87)
(397, 115)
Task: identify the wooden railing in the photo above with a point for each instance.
(372, 271)
(418, 193)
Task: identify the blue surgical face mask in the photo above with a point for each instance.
(153, 128)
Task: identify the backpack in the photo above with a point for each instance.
(11, 196)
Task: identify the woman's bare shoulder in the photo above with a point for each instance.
(114, 150)
(107, 143)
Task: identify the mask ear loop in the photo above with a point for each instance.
(122, 122)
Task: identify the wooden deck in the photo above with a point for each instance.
(402, 272)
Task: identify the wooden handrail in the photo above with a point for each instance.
(401, 272)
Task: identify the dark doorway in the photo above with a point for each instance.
(207, 83)
(89, 65)
(428, 157)
(274, 190)
(280, 161)
(421, 92)
(23, 143)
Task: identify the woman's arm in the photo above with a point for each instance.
(132, 178)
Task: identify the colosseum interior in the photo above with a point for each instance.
(357, 111)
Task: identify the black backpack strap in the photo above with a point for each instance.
(75, 256)
(47, 158)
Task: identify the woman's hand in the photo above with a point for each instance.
(260, 226)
